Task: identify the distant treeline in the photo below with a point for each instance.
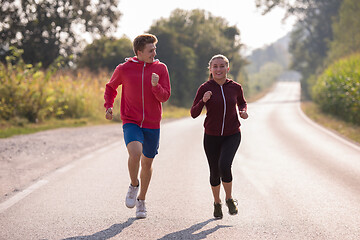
(34, 90)
(267, 65)
(187, 41)
(326, 32)
(324, 47)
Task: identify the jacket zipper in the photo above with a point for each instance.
(142, 94)
(223, 122)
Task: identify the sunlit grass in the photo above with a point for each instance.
(8, 129)
(345, 129)
(259, 95)
(170, 112)
(20, 126)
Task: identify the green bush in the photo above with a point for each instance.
(28, 93)
(337, 90)
(22, 89)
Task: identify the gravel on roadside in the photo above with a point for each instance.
(26, 158)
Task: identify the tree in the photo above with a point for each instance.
(346, 30)
(106, 52)
(46, 30)
(313, 32)
(187, 41)
(276, 52)
(264, 78)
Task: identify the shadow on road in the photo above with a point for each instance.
(189, 233)
(107, 233)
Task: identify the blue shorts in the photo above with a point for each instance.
(148, 137)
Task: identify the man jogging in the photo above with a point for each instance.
(145, 85)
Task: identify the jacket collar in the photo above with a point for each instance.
(226, 81)
(136, 60)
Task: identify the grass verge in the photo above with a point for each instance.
(348, 130)
(20, 126)
(8, 129)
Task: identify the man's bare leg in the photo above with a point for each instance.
(134, 149)
(145, 176)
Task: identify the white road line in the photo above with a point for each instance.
(65, 168)
(21, 195)
(321, 128)
(7, 204)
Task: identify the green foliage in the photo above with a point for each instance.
(276, 52)
(30, 94)
(310, 39)
(337, 90)
(105, 53)
(187, 41)
(266, 66)
(326, 31)
(309, 45)
(346, 31)
(48, 29)
(263, 79)
(268, 5)
(21, 89)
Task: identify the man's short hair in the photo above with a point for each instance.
(140, 41)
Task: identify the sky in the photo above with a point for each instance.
(256, 30)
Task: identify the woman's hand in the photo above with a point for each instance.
(243, 114)
(207, 96)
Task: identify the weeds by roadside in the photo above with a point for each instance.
(348, 130)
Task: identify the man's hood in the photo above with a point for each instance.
(136, 60)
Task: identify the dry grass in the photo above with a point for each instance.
(345, 129)
(11, 128)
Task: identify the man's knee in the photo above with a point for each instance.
(146, 163)
(134, 149)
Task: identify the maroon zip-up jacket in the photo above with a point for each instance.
(221, 114)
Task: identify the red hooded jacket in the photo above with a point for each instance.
(140, 101)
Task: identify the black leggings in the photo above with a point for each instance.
(220, 152)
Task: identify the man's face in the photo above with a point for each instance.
(148, 54)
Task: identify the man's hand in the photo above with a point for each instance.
(243, 114)
(154, 79)
(109, 114)
(207, 96)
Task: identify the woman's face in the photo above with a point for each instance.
(219, 69)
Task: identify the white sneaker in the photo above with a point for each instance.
(140, 209)
(131, 196)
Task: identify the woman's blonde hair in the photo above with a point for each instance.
(218, 56)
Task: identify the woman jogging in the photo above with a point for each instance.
(222, 134)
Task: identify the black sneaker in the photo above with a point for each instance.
(217, 211)
(232, 206)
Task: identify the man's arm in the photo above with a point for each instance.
(161, 86)
(111, 92)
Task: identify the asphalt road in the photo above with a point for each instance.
(292, 179)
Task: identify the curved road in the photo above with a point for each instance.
(292, 179)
